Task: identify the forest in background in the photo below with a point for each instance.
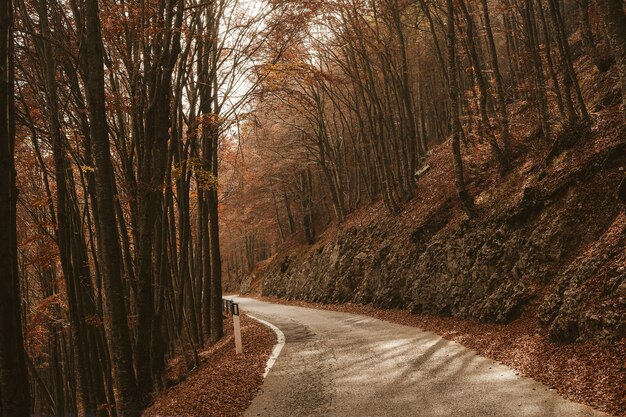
(349, 114)
(159, 142)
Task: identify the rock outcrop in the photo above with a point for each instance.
(549, 240)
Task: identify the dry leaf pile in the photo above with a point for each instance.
(225, 383)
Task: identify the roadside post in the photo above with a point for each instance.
(232, 308)
(235, 312)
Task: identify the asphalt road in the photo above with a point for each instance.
(339, 364)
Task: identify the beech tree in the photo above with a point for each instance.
(14, 387)
(459, 176)
(127, 399)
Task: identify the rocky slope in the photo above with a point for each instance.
(549, 239)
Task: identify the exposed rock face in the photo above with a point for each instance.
(550, 240)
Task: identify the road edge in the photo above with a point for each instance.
(278, 347)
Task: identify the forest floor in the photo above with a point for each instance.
(225, 383)
(587, 373)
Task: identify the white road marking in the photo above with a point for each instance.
(277, 348)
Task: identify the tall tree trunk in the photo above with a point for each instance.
(612, 12)
(158, 70)
(569, 75)
(486, 129)
(14, 387)
(217, 323)
(495, 66)
(290, 219)
(459, 178)
(70, 239)
(407, 98)
(307, 208)
(281, 233)
(551, 68)
(116, 324)
(602, 61)
(538, 78)
(205, 267)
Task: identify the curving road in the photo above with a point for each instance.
(339, 364)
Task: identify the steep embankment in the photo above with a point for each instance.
(549, 239)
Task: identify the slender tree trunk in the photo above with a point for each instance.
(307, 209)
(459, 178)
(602, 61)
(281, 233)
(116, 324)
(486, 129)
(14, 387)
(550, 62)
(217, 322)
(290, 219)
(70, 239)
(612, 12)
(495, 66)
(205, 251)
(407, 98)
(540, 89)
(569, 75)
